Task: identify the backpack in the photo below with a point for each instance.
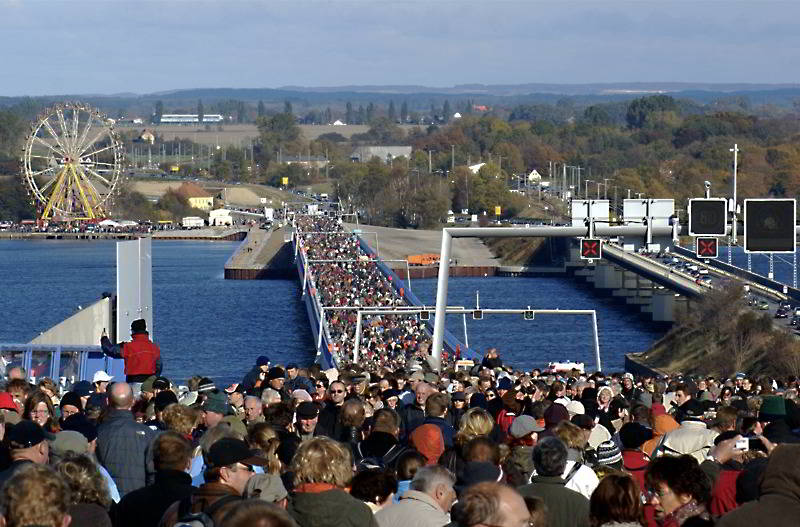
(187, 518)
(389, 459)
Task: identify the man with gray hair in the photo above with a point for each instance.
(566, 508)
(491, 503)
(427, 503)
(253, 410)
(270, 397)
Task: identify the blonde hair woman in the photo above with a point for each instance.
(323, 469)
(476, 422)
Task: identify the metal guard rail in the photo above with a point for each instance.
(63, 364)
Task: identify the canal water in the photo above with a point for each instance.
(208, 325)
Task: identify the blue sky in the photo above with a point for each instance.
(113, 46)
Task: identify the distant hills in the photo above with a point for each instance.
(417, 96)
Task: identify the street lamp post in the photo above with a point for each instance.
(605, 186)
(735, 151)
(586, 188)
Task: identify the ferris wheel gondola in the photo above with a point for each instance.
(72, 162)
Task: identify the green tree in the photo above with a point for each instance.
(370, 115)
(241, 112)
(361, 115)
(159, 111)
(349, 116)
(639, 110)
(392, 112)
(287, 107)
(262, 111)
(200, 113)
(446, 111)
(328, 115)
(404, 111)
(15, 205)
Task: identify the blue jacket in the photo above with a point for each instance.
(123, 447)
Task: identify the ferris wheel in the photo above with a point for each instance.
(72, 162)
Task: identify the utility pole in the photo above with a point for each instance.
(586, 188)
(605, 186)
(735, 151)
(452, 158)
(430, 165)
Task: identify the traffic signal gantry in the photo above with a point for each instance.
(769, 225)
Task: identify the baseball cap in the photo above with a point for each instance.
(267, 487)
(524, 425)
(101, 376)
(262, 360)
(26, 434)
(229, 450)
(7, 402)
(218, 403)
(307, 410)
(68, 441)
(147, 385)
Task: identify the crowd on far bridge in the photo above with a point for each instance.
(346, 277)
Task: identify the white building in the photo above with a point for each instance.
(190, 118)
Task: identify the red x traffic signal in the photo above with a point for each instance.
(591, 248)
(707, 247)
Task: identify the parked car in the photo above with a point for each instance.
(781, 313)
(763, 305)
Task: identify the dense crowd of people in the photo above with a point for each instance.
(377, 445)
(349, 276)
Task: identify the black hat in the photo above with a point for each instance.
(276, 373)
(80, 423)
(138, 326)
(163, 399)
(459, 396)
(291, 366)
(693, 409)
(583, 421)
(634, 435)
(229, 450)
(161, 383)
(71, 398)
(307, 410)
(82, 388)
(26, 434)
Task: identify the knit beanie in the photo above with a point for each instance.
(773, 408)
(608, 453)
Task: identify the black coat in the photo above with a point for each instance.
(144, 507)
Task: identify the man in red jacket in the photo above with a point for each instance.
(142, 357)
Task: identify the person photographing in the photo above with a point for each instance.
(142, 357)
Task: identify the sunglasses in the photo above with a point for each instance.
(248, 468)
(337, 391)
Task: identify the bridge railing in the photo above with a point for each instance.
(319, 324)
(64, 364)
